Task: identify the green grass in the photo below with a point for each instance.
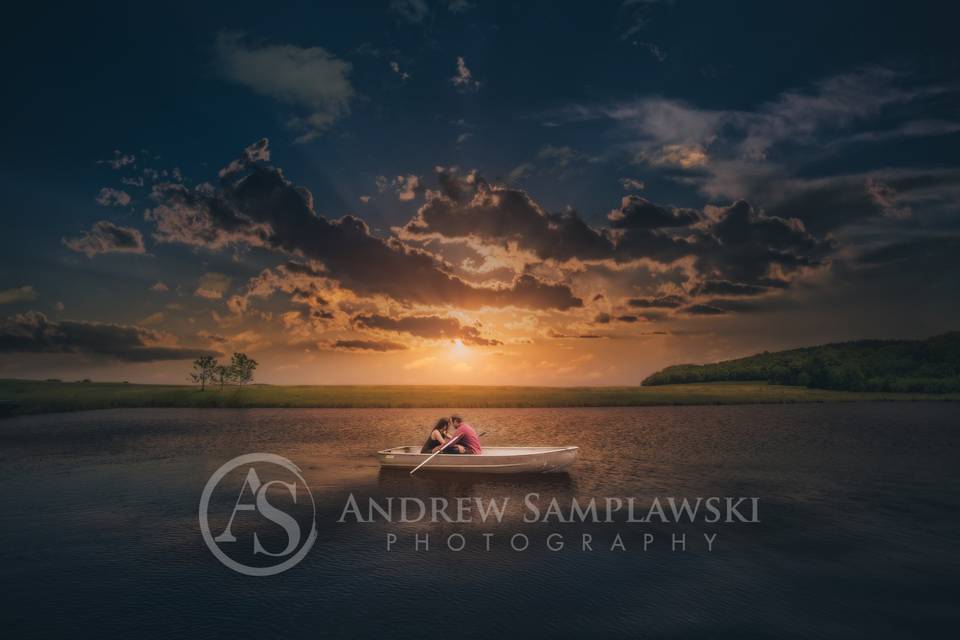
(29, 396)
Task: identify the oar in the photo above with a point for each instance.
(440, 450)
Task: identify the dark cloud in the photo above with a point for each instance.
(628, 318)
(639, 213)
(704, 310)
(510, 217)
(748, 245)
(500, 216)
(106, 237)
(32, 332)
(727, 288)
(367, 345)
(456, 186)
(736, 243)
(750, 305)
(432, 327)
(602, 318)
(660, 302)
(256, 205)
(937, 252)
(915, 264)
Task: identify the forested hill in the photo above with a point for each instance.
(930, 366)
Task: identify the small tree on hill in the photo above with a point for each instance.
(241, 368)
(203, 370)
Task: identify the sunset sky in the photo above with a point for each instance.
(466, 192)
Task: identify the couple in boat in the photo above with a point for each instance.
(463, 439)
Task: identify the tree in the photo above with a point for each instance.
(241, 368)
(203, 370)
(223, 375)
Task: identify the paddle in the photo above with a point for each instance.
(440, 450)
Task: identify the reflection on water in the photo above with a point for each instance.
(451, 485)
(859, 514)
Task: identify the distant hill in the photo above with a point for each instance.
(918, 366)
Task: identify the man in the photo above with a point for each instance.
(464, 439)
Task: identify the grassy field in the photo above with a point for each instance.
(29, 396)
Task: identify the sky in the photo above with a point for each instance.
(467, 192)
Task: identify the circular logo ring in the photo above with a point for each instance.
(212, 483)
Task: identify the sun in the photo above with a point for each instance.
(458, 349)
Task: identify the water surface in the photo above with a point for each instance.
(860, 509)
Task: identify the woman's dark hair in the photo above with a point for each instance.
(442, 425)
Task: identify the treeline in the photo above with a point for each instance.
(918, 366)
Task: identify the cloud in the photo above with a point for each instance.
(639, 213)
(661, 302)
(463, 79)
(560, 161)
(259, 151)
(410, 11)
(159, 287)
(367, 345)
(309, 79)
(737, 243)
(829, 203)
(32, 332)
(431, 327)
(750, 246)
(631, 184)
(212, 286)
(678, 155)
(727, 288)
(655, 50)
(509, 217)
(460, 6)
(924, 259)
(260, 207)
(19, 294)
(395, 67)
(672, 133)
(638, 14)
(407, 187)
(106, 237)
(704, 310)
(119, 159)
(113, 197)
(506, 215)
(886, 198)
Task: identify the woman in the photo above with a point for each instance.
(438, 437)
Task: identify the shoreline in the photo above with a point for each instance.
(25, 397)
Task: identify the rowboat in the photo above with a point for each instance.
(492, 460)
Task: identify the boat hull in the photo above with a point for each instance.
(494, 460)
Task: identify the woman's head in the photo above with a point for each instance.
(443, 425)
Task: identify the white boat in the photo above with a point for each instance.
(492, 460)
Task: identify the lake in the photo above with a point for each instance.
(859, 511)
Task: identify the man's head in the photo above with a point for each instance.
(456, 420)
